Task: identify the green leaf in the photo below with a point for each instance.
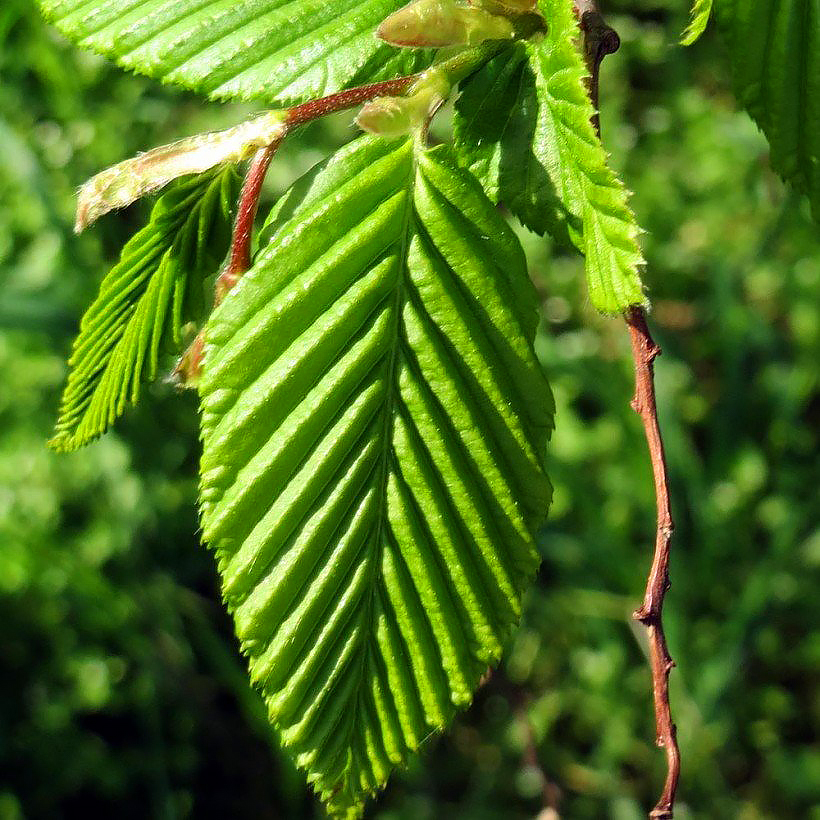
(699, 19)
(374, 422)
(523, 127)
(774, 48)
(497, 131)
(156, 287)
(280, 51)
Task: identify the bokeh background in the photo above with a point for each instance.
(121, 690)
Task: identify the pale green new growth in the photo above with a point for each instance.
(439, 23)
(374, 424)
(127, 181)
(524, 128)
(279, 51)
(774, 47)
(155, 288)
(699, 19)
(399, 116)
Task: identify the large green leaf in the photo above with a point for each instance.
(155, 288)
(523, 127)
(374, 424)
(774, 47)
(280, 51)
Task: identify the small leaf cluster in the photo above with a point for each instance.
(374, 420)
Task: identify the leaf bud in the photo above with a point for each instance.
(440, 23)
(397, 116)
(127, 181)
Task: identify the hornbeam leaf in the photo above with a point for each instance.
(279, 51)
(374, 422)
(523, 127)
(156, 287)
(774, 48)
(497, 130)
(699, 19)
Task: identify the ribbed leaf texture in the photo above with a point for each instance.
(698, 20)
(156, 287)
(280, 51)
(774, 47)
(374, 423)
(523, 127)
(498, 129)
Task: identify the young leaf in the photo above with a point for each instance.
(279, 51)
(155, 288)
(699, 19)
(523, 126)
(374, 423)
(134, 178)
(497, 127)
(774, 48)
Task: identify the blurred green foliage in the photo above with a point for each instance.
(120, 687)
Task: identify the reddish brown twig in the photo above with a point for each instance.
(189, 367)
(600, 40)
(239, 259)
(650, 613)
(313, 109)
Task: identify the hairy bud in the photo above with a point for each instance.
(127, 181)
(439, 23)
(396, 116)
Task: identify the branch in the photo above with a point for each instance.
(650, 613)
(600, 40)
(314, 109)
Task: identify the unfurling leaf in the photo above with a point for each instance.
(498, 131)
(127, 181)
(374, 424)
(143, 303)
(523, 126)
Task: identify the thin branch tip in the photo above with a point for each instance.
(599, 39)
(650, 613)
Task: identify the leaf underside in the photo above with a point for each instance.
(374, 423)
(495, 129)
(279, 51)
(523, 127)
(156, 287)
(774, 48)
